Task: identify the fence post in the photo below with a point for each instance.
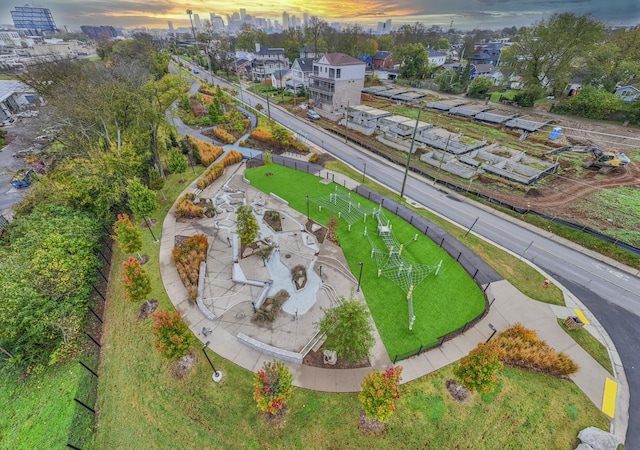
(94, 313)
(486, 287)
(426, 230)
(94, 341)
(441, 242)
(474, 275)
(459, 254)
(99, 293)
(395, 359)
(410, 220)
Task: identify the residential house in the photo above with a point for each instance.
(628, 93)
(387, 74)
(309, 51)
(488, 54)
(242, 68)
(337, 81)
(15, 96)
(436, 59)
(381, 60)
(484, 70)
(300, 71)
(279, 78)
(267, 61)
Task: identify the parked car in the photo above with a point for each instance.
(313, 115)
(196, 71)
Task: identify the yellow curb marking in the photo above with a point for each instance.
(609, 397)
(581, 316)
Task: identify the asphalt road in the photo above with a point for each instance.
(613, 296)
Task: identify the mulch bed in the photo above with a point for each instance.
(316, 359)
(458, 393)
(320, 234)
(370, 426)
(183, 366)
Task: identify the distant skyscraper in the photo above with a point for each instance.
(293, 22)
(34, 20)
(305, 18)
(243, 14)
(196, 21)
(285, 20)
(170, 23)
(387, 26)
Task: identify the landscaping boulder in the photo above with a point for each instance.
(598, 439)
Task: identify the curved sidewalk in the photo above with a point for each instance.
(508, 306)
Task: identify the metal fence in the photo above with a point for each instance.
(86, 396)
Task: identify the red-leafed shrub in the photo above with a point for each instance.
(185, 208)
(211, 175)
(232, 157)
(137, 284)
(208, 152)
(172, 337)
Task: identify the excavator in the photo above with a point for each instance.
(605, 160)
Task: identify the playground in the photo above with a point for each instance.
(415, 291)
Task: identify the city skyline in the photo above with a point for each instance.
(465, 14)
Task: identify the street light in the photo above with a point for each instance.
(307, 196)
(364, 170)
(361, 264)
(217, 375)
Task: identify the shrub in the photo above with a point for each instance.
(211, 175)
(128, 236)
(242, 143)
(379, 393)
(224, 136)
(172, 337)
(137, 284)
(348, 330)
(232, 157)
(477, 371)
(185, 208)
(206, 151)
(187, 259)
(313, 158)
(272, 387)
(156, 182)
(262, 135)
(520, 347)
(204, 89)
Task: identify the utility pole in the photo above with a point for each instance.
(195, 38)
(413, 140)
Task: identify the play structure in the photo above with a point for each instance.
(390, 261)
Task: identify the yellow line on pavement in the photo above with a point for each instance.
(581, 316)
(609, 397)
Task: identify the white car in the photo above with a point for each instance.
(313, 115)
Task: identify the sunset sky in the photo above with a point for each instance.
(466, 14)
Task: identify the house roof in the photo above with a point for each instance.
(381, 55)
(242, 61)
(306, 64)
(434, 53)
(340, 59)
(485, 68)
(281, 73)
(627, 88)
(264, 50)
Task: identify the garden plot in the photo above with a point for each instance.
(449, 164)
(445, 105)
(442, 139)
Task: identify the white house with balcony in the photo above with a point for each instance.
(267, 61)
(336, 82)
(301, 69)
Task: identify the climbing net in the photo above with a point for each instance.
(390, 261)
(394, 266)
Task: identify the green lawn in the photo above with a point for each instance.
(441, 304)
(590, 344)
(37, 412)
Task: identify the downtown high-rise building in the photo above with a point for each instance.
(196, 21)
(36, 21)
(170, 23)
(305, 19)
(285, 20)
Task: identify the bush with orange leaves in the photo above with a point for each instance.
(208, 152)
(187, 259)
(211, 175)
(185, 207)
(224, 136)
(232, 157)
(520, 347)
(262, 135)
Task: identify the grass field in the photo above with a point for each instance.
(441, 304)
(37, 412)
